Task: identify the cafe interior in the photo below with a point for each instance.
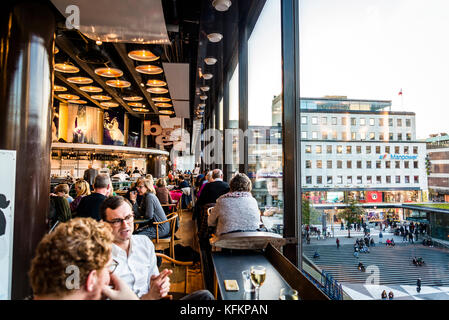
(106, 83)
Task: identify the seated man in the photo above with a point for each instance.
(74, 263)
(89, 205)
(137, 263)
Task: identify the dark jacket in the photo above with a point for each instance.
(89, 206)
(89, 176)
(210, 193)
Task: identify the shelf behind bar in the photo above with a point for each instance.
(99, 147)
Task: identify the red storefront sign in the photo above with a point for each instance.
(373, 196)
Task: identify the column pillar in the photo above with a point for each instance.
(27, 31)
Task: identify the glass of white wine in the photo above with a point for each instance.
(288, 294)
(258, 274)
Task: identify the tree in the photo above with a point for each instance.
(352, 213)
(305, 211)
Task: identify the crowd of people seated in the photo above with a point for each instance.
(96, 235)
(418, 261)
(362, 245)
(98, 225)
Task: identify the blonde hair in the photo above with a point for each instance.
(148, 183)
(83, 186)
(81, 242)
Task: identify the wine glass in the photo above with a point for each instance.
(258, 274)
(288, 294)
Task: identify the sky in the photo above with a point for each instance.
(362, 49)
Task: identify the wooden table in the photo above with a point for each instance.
(138, 222)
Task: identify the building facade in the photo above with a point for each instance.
(438, 158)
(360, 148)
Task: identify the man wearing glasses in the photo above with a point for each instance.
(135, 254)
(74, 262)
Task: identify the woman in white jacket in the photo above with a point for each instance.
(236, 210)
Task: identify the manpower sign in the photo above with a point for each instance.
(398, 157)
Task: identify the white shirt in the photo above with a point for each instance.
(137, 268)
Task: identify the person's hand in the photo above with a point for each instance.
(120, 290)
(159, 286)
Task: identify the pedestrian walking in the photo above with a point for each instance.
(338, 243)
(418, 285)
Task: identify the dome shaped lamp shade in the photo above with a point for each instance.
(66, 68)
(210, 61)
(205, 88)
(156, 83)
(222, 5)
(118, 83)
(143, 55)
(91, 89)
(149, 69)
(166, 112)
(208, 76)
(59, 88)
(157, 90)
(101, 97)
(109, 72)
(133, 98)
(68, 96)
(80, 80)
(215, 37)
(203, 97)
(109, 104)
(161, 99)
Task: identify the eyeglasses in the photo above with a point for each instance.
(118, 221)
(113, 266)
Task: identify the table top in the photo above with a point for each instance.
(230, 266)
(139, 221)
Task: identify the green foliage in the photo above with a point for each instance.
(352, 213)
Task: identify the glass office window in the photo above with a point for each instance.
(303, 134)
(329, 149)
(304, 120)
(319, 164)
(318, 149)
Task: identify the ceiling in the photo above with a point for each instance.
(180, 22)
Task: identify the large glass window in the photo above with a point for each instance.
(234, 119)
(265, 114)
(370, 62)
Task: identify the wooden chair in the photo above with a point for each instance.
(247, 240)
(168, 242)
(186, 264)
(172, 208)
